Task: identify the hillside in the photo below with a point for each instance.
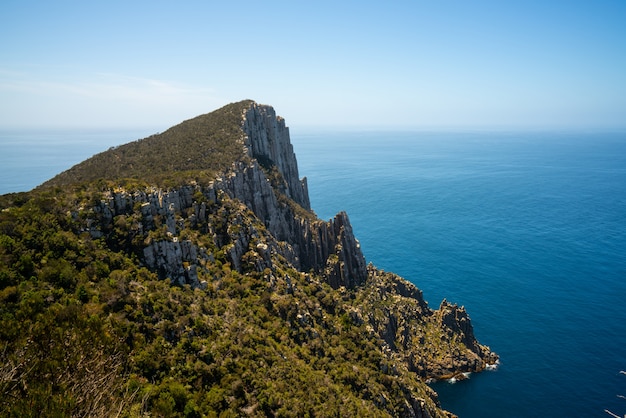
(205, 145)
(185, 275)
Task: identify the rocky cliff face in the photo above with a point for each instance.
(327, 248)
(267, 139)
(437, 344)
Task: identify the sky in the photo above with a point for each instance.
(341, 64)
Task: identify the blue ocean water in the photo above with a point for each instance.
(526, 230)
(30, 157)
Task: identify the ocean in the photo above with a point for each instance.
(527, 230)
(29, 157)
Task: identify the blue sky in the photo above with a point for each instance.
(397, 64)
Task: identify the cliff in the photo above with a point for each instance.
(267, 292)
(282, 204)
(267, 140)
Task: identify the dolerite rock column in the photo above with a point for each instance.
(346, 265)
(267, 138)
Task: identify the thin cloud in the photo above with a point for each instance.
(102, 98)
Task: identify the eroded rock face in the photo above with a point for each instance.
(433, 343)
(168, 259)
(457, 321)
(267, 138)
(345, 264)
(328, 248)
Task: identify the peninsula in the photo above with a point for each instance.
(186, 275)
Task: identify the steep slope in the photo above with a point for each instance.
(186, 275)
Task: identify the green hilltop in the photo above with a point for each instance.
(198, 147)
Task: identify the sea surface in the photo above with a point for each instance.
(30, 157)
(527, 230)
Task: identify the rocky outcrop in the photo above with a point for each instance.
(328, 248)
(333, 245)
(457, 322)
(433, 343)
(176, 260)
